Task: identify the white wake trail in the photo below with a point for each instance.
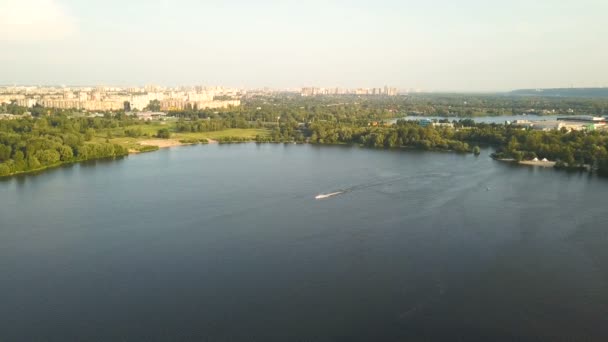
(324, 196)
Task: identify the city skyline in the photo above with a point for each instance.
(467, 46)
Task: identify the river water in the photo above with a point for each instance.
(227, 243)
(486, 119)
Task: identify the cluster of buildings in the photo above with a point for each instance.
(312, 91)
(429, 122)
(570, 123)
(150, 116)
(118, 98)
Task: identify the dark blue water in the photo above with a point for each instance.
(226, 243)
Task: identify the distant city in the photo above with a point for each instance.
(386, 91)
(103, 98)
(107, 98)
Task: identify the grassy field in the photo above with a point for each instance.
(234, 132)
(117, 135)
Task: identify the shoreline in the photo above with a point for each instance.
(161, 143)
(57, 166)
(540, 163)
(167, 143)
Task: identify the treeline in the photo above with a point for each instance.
(260, 110)
(35, 144)
(571, 149)
(208, 125)
(471, 105)
(402, 134)
(232, 140)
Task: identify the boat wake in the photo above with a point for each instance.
(382, 181)
(356, 187)
(332, 194)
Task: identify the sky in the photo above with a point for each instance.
(434, 45)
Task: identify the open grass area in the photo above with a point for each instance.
(149, 131)
(249, 133)
(130, 143)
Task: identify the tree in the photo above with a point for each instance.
(379, 140)
(37, 110)
(89, 134)
(153, 106)
(518, 156)
(513, 145)
(19, 159)
(476, 150)
(32, 163)
(48, 157)
(4, 170)
(5, 152)
(163, 133)
(392, 140)
(66, 153)
(134, 132)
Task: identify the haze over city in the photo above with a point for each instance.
(435, 45)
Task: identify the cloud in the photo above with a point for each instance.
(35, 20)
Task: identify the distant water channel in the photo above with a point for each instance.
(227, 243)
(485, 119)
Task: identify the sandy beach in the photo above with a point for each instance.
(538, 163)
(161, 143)
(529, 162)
(164, 143)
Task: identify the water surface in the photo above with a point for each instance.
(501, 119)
(227, 243)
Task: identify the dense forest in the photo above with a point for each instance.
(350, 108)
(32, 144)
(571, 149)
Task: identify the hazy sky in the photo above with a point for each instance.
(468, 45)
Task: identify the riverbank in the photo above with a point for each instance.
(151, 145)
(45, 168)
(148, 143)
(540, 163)
(128, 145)
(161, 143)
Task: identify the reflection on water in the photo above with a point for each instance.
(97, 162)
(66, 170)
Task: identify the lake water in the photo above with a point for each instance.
(486, 119)
(227, 243)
